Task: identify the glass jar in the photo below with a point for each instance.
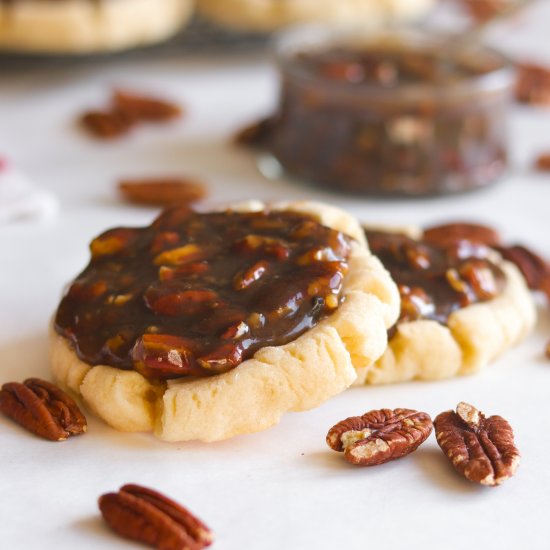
(401, 113)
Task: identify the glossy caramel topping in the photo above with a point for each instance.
(435, 280)
(196, 294)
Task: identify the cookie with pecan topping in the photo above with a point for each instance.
(208, 325)
(462, 304)
(85, 26)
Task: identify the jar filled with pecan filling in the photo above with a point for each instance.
(398, 114)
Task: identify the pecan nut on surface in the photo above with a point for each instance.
(144, 515)
(380, 435)
(125, 111)
(542, 162)
(42, 408)
(481, 449)
(161, 191)
(533, 267)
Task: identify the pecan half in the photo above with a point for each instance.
(162, 191)
(106, 124)
(162, 355)
(532, 266)
(448, 234)
(42, 408)
(482, 10)
(481, 449)
(126, 110)
(415, 303)
(542, 162)
(256, 134)
(533, 84)
(380, 435)
(141, 107)
(144, 515)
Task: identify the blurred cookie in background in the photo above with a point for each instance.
(266, 15)
(88, 26)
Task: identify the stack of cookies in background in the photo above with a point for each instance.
(88, 26)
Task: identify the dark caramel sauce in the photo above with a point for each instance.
(436, 280)
(195, 294)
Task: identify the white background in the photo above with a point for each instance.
(282, 488)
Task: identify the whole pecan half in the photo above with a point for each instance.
(144, 515)
(449, 233)
(482, 10)
(380, 435)
(533, 84)
(139, 107)
(125, 111)
(481, 449)
(42, 408)
(542, 162)
(256, 134)
(532, 266)
(162, 191)
(106, 124)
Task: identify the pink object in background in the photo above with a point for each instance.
(20, 198)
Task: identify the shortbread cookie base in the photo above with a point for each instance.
(474, 336)
(85, 26)
(294, 377)
(266, 15)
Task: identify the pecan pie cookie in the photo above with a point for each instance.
(266, 15)
(84, 26)
(462, 305)
(208, 325)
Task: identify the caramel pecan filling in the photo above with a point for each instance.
(196, 294)
(436, 279)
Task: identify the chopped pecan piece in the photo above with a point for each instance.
(256, 243)
(162, 356)
(417, 256)
(166, 191)
(415, 303)
(181, 255)
(250, 275)
(167, 298)
(481, 449)
(42, 408)
(88, 292)
(144, 515)
(112, 241)
(448, 234)
(479, 278)
(226, 357)
(192, 268)
(380, 435)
